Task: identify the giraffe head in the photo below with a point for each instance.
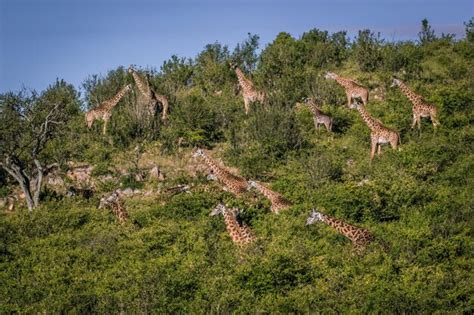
(330, 75)
(314, 217)
(198, 153)
(395, 82)
(211, 176)
(219, 209)
(251, 184)
(131, 69)
(108, 201)
(233, 65)
(355, 104)
(128, 87)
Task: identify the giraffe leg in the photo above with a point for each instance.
(414, 121)
(394, 141)
(373, 148)
(379, 148)
(434, 120)
(365, 98)
(104, 130)
(349, 99)
(328, 126)
(246, 105)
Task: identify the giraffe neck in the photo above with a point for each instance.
(342, 227)
(268, 193)
(219, 171)
(346, 83)
(314, 108)
(114, 101)
(370, 122)
(232, 224)
(212, 164)
(412, 96)
(245, 83)
(142, 86)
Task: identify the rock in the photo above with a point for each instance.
(126, 192)
(148, 193)
(156, 174)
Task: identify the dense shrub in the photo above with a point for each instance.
(171, 257)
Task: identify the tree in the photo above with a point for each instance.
(368, 50)
(245, 53)
(427, 34)
(28, 121)
(470, 30)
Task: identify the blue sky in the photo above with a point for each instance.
(41, 40)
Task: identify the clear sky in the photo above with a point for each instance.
(41, 40)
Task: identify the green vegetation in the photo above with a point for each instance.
(171, 257)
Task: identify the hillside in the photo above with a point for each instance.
(172, 257)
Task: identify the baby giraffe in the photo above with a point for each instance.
(319, 117)
(359, 237)
(278, 201)
(379, 134)
(240, 233)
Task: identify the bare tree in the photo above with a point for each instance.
(27, 122)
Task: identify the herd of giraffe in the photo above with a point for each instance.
(240, 233)
(146, 97)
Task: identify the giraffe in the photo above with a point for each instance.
(379, 134)
(278, 201)
(103, 111)
(116, 205)
(319, 117)
(353, 89)
(149, 96)
(358, 236)
(235, 184)
(420, 107)
(240, 233)
(249, 92)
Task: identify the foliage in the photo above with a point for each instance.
(171, 257)
(427, 34)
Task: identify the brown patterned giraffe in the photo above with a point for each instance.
(420, 107)
(249, 92)
(352, 88)
(103, 111)
(278, 201)
(150, 97)
(240, 233)
(116, 205)
(379, 134)
(235, 184)
(358, 236)
(319, 117)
